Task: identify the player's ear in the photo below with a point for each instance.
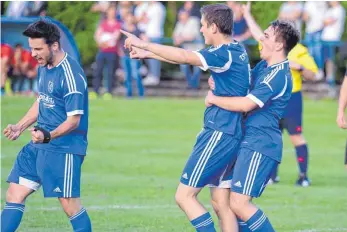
(55, 46)
(279, 46)
(214, 28)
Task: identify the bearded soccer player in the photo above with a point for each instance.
(54, 156)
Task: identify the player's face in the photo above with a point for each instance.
(41, 51)
(268, 43)
(206, 31)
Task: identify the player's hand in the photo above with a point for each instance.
(12, 132)
(341, 120)
(138, 53)
(36, 135)
(208, 98)
(133, 41)
(211, 83)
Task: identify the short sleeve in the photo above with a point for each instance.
(74, 88)
(272, 86)
(308, 62)
(215, 59)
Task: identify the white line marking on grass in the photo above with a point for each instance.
(322, 230)
(106, 207)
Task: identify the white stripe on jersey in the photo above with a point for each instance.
(225, 67)
(283, 90)
(71, 73)
(67, 78)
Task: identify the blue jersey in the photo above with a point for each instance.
(229, 67)
(271, 90)
(63, 92)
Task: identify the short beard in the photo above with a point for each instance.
(50, 57)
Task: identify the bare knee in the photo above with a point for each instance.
(239, 202)
(185, 194)
(220, 207)
(71, 206)
(17, 193)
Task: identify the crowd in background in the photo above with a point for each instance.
(324, 25)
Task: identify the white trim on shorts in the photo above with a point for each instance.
(29, 183)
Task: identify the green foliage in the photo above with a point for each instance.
(81, 22)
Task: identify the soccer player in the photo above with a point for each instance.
(341, 120)
(261, 147)
(302, 65)
(216, 145)
(54, 156)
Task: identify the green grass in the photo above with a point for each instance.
(137, 149)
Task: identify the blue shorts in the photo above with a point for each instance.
(329, 51)
(252, 172)
(213, 152)
(58, 173)
(292, 120)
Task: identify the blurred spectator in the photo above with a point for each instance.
(140, 15)
(131, 66)
(17, 9)
(37, 8)
(102, 7)
(192, 8)
(122, 10)
(106, 37)
(23, 66)
(187, 35)
(314, 17)
(152, 21)
(241, 31)
(6, 57)
(334, 21)
(292, 11)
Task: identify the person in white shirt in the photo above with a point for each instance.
(151, 19)
(292, 11)
(187, 35)
(314, 18)
(334, 21)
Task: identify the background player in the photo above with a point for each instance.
(55, 155)
(216, 144)
(302, 65)
(261, 148)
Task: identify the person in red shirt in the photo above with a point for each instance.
(24, 67)
(6, 56)
(106, 37)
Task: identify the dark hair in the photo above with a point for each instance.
(286, 32)
(45, 30)
(18, 45)
(221, 15)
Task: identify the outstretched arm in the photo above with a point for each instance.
(138, 53)
(254, 28)
(170, 53)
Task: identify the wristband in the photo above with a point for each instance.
(46, 134)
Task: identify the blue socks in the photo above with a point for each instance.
(11, 216)
(81, 222)
(204, 223)
(259, 223)
(243, 227)
(302, 156)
